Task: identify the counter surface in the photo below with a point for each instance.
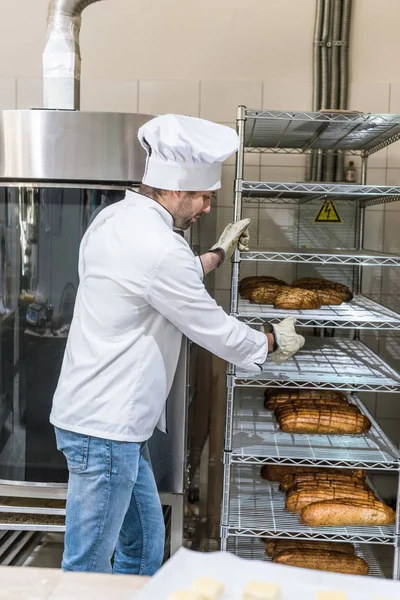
(53, 584)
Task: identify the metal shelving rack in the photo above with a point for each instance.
(253, 509)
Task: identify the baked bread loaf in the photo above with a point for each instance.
(278, 472)
(319, 283)
(347, 512)
(275, 546)
(325, 420)
(265, 293)
(299, 498)
(328, 297)
(275, 397)
(296, 298)
(282, 409)
(323, 560)
(292, 480)
(249, 283)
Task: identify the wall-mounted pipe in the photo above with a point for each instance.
(316, 90)
(344, 54)
(62, 57)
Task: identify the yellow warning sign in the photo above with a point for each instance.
(328, 213)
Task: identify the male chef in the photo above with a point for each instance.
(140, 289)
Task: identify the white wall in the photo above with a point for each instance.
(204, 58)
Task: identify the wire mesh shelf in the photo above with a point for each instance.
(254, 548)
(257, 439)
(303, 131)
(257, 509)
(278, 192)
(360, 313)
(326, 364)
(325, 257)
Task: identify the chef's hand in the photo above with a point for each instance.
(288, 342)
(234, 234)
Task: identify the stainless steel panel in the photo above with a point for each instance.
(71, 146)
(168, 451)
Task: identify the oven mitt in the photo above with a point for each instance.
(234, 234)
(288, 342)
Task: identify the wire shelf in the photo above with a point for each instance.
(360, 313)
(277, 192)
(257, 439)
(326, 364)
(257, 509)
(325, 257)
(303, 131)
(254, 549)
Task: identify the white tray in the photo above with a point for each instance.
(297, 584)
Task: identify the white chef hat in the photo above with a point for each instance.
(185, 153)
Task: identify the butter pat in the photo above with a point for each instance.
(331, 596)
(256, 590)
(211, 589)
(186, 595)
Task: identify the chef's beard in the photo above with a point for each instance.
(184, 213)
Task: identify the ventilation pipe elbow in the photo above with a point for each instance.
(62, 57)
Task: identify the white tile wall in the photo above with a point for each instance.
(287, 95)
(29, 92)
(282, 173)
(174, 96)
(7, 93)
(109, 96)
(374, 228)
(220, 99)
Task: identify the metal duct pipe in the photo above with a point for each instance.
(324, 55)
(336, 31)
(316, 90)
(62, 57)
(344, 76)
(344, 54)
(333, 101)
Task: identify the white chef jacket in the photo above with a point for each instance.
(140, 290)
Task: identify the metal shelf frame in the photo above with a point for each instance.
(360, 313)
(251, 507)
(278, 192)
(257, 440)
(364, 258)
(257, 509)
(326, 363)
(253, 548)
(299, 132)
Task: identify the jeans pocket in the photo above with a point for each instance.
(75, 448)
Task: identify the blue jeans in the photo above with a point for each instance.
(113, 507)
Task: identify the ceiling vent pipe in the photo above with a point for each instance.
(62, 56)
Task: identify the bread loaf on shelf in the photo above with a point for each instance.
(275, 546)
(323, 560)
(297, 499)
(324, 420)
(275, 397)
(319, 283)
(347, 512)
(291, 480)
(328, 297)
(296, 299)
(249, 283)
(295, 404)
(265, 293)
(278, 472)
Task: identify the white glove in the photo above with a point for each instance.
(234, 234)
(287, 340)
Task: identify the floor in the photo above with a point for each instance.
(49, 553)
